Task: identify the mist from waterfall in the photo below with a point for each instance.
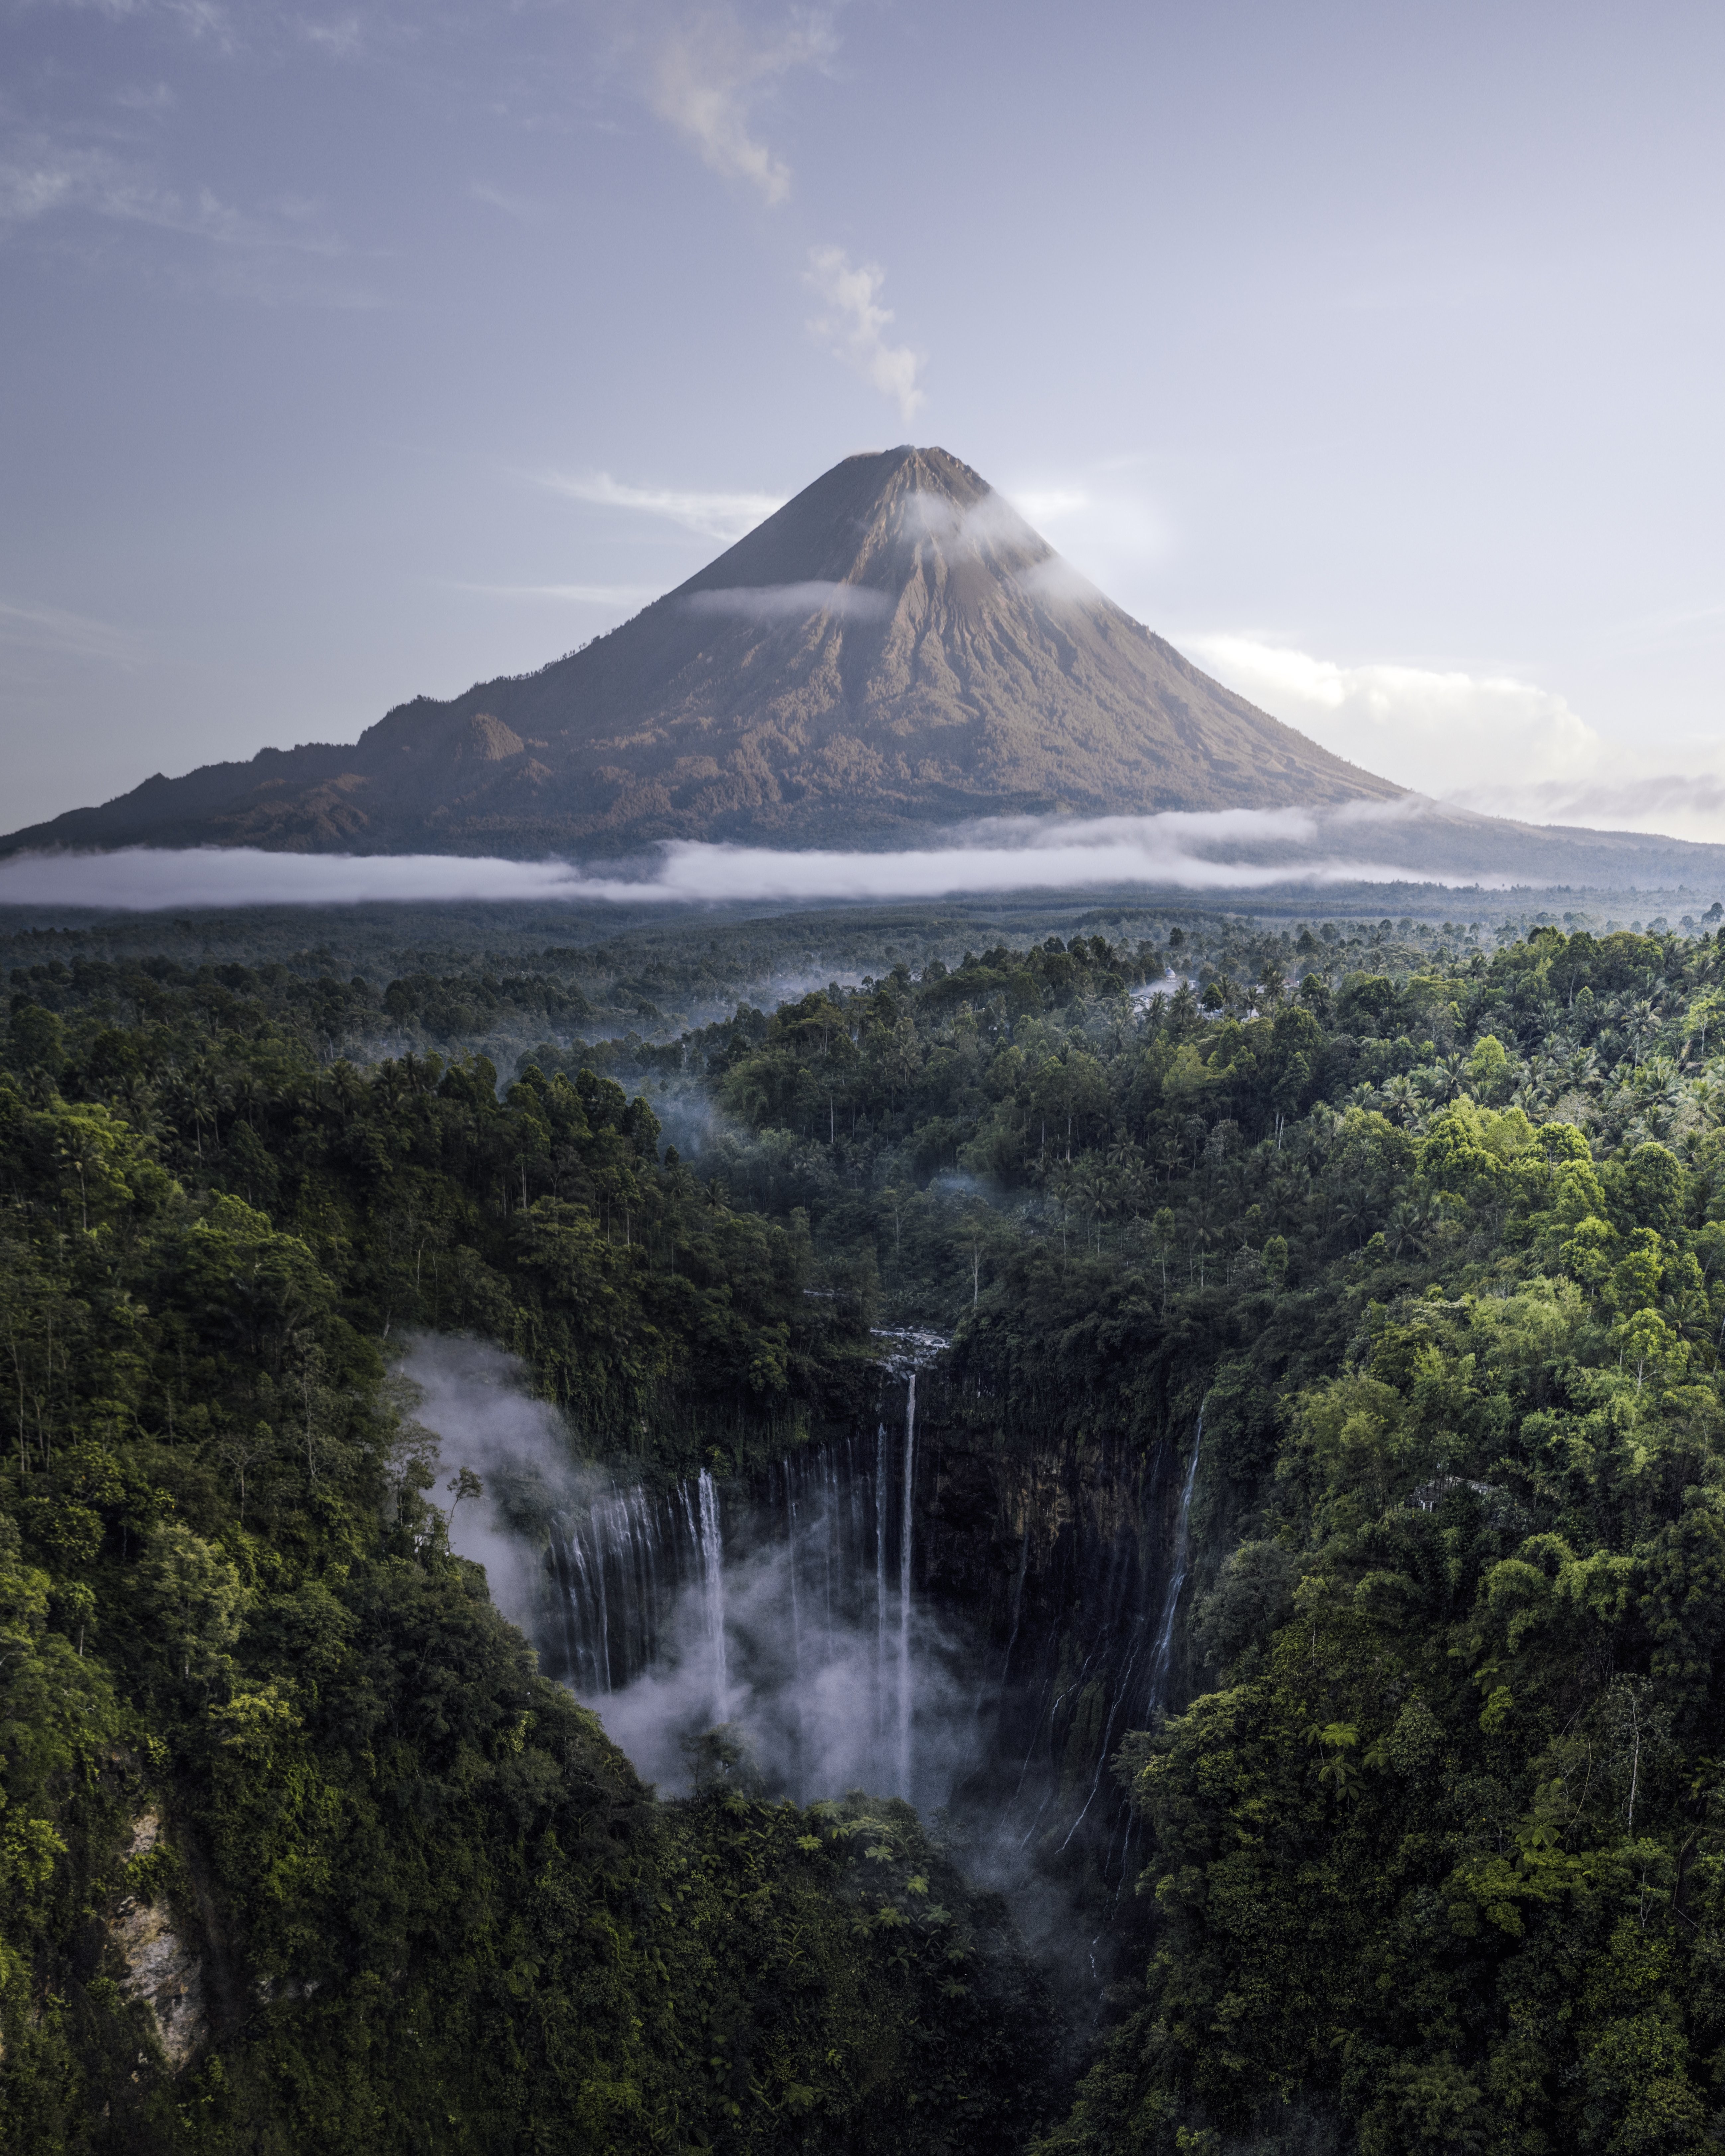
(787, 1611)
(793, 1611)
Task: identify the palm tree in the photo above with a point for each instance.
(1401, 1100)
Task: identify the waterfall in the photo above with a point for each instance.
(904, 1591)
(712, 1586)
(1176, 1582)
(880, 1578)
(786, 1605)
(790, 1514)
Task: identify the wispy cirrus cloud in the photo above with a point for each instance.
(72, 636)
(150, 99)
(853, 325)
(713, 515)
(523, 210)
(281, 252)
(343, 39)
(707, 72)
(39, 177)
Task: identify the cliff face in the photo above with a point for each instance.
(1065, 1563)
(895, 648)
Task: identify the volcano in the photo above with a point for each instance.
(895, 648)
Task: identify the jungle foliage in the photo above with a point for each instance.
(296, 1848)
(1438, 1844)
(1436, 1853)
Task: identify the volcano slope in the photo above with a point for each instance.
(895, 648)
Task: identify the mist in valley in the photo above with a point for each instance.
(786, 1614)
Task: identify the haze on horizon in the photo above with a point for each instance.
(1370, 356)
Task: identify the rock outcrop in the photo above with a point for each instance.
(160, 1967)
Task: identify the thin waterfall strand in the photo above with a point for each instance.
(881, 1579)
(712, 1582)
(904, 1593)
(1160, 1659)
(1163, 1657)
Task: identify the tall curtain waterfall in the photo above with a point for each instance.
(791, 1610)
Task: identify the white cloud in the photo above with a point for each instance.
(993, 528)
(1048, 505)
(853, 325)
(791, 602)
(1423, 728)
(1057, 583)
(989, 524)
(341, 41)
(704, 75)
(725, 516)
(1488, 741)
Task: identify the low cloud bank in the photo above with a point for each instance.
(1228, 849)
(1491, 742)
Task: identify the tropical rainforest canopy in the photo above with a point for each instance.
(1433, 1849)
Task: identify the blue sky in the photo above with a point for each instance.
(1371, 353)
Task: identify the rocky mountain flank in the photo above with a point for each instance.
(894, 649)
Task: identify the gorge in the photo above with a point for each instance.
(928, 1609)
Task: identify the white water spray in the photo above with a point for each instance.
(713, 1588)
(880, 1580)
(904, 1590)
(1176, 1582)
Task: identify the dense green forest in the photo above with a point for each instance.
(1428, 1218)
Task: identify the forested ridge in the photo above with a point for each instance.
(1433, 1853)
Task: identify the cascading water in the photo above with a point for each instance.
(712, 1593)
(847, 1644)
(1158, 1701)
(1117, 1867)
(907, 1516)
(792, 1608)
(789, 1609)
(880, 1577)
